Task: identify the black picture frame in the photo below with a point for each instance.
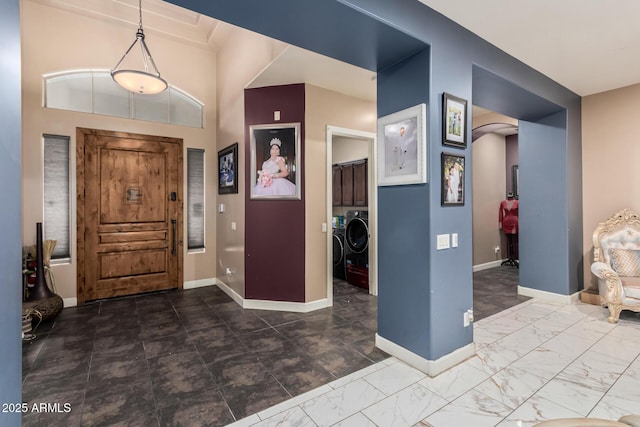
(228, 170)
(454, 121)
(452, 175)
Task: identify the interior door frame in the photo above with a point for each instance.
(372, 207)
(81, 135)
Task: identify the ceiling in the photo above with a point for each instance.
(588, 46)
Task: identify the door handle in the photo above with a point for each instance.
(174, 230)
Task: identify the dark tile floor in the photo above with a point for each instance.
(196, 358)
(495, 290)
(190, 357)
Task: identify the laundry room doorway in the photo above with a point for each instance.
(353, 151)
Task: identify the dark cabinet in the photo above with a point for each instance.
(350, 184)
(360, 190)
(347, 184)
(337, 185)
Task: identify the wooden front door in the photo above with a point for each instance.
(129, 213)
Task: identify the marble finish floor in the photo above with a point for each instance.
(534, 362)
(196, 358)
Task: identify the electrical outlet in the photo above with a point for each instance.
(228, 272)
(468, 317)
(496, 249)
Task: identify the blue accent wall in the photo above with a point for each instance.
(403, 224)
(419, 54)
(11, 224)
(544, 224)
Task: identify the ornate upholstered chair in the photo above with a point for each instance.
(626, 421)
(616, 256)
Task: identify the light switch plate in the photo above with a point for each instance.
(454, 240)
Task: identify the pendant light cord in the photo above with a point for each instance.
(140, 11)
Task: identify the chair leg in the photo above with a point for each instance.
(614, 311)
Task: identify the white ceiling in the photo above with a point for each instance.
(588, 46)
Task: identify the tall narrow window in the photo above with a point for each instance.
(195, 199)
(56, 194)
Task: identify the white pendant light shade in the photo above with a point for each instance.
(144, 80)
(139, 81)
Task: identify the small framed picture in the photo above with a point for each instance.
(454, 121)
(275, 163)
(402, 147)
(228, 170)
(452, 174)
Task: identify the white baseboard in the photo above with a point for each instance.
(296, 307)
(232, 294)
(549, 296)
(69, 302)
(255, 304)
(487, 265)
(192, 284)
(429, 367)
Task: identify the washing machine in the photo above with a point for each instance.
(356, 238)
(338, 254)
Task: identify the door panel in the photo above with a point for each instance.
(129, 229)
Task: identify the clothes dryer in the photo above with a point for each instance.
(338, 254)
(356, 239)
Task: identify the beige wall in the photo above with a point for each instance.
(55, 40)
(240, 60)
(324, 107)
(610, 158)
(489, 182)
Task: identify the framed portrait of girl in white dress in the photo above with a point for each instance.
(275, 164)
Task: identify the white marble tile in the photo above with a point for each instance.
(394, 378)
(294, 401)
(543, 363)
(565, 318)
(535, 410)
(511, 386)
(246, 422)
(594, 370)
(506, 324)
(532, 312)
(405, 408)
(456, 381)
(338, 404)
(496, 356)
(569, 345)
(472, 409)
(620, 348)
(526, 339)
(606, 411)
(625, 393)
(292, 417)
(484, 336)
(576, 397)
(356, 420)
(340, 382)
(627, 330)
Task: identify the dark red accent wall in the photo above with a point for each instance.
(274, 229)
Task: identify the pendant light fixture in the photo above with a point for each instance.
(145, 80)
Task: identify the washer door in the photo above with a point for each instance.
(338, 250)
(357, 235)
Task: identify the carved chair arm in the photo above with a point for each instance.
(611, 279)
